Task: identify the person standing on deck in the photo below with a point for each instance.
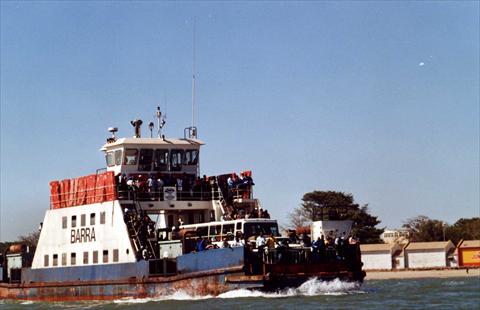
(260, 241)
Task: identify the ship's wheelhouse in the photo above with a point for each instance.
(154, 155)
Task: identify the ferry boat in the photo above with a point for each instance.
(149, 224)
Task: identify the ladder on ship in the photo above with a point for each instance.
(137, 228)
(223, 202)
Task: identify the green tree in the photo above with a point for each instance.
(425, 229)
(331, 205)
(466, 229)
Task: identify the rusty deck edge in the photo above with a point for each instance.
(134, 280)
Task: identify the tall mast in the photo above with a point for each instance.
(193, 71)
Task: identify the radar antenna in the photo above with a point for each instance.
(160, 121)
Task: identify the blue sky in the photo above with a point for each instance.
(378, 99)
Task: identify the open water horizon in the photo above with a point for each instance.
(448, 293)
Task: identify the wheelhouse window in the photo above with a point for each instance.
(105, 256)
(131, 156)
(118, 157)
(92, 218)
(45, 261)
(74, 221)
(85, 258)
(64, 222)
(115, 255)
(73, 259)
(145, 161)
(95, 257)
(191, 157)
(64, 259)
(160, 162)
(110, 157)
(55, 260)
(176, 160)
(83, 220)
(102, 217)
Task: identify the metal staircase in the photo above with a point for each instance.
(137, 227)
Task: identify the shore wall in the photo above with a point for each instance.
(422, 273)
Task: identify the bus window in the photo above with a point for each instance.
(227, 228)
(160, 162)
(176, 160)
(191, 157)
(239, 226)
(215, 232)
(110, 159)
(145, 161)
(130, 157)
(227, 231)
(254, 229)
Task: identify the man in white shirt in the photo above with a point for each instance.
(260, 242)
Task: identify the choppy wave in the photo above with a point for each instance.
(453, 283)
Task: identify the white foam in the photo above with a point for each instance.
(27, 302)
(244, 293)
(178, 295)
(312, 287)
(317, 287)
(453, 283)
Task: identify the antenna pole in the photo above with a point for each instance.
(159, 122)
(193, 70)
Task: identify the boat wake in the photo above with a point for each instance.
(312, 287)
(179, 295)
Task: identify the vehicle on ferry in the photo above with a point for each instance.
(131, 229)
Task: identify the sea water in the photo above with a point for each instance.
(451, 293)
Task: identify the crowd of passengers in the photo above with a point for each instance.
(329, 248)
(150, 186)
(187, 186)
(232, 213)
(333, 246)
(239, 187)
(204, 244)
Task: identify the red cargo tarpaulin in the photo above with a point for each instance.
(83, 190)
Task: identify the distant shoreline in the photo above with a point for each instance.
(422, 273)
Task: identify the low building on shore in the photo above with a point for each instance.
(380, 256)
(430, 254)
(469, 253)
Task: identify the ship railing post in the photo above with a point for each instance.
(164, 261)
(264, 263)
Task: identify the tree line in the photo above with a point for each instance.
(324, 205)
